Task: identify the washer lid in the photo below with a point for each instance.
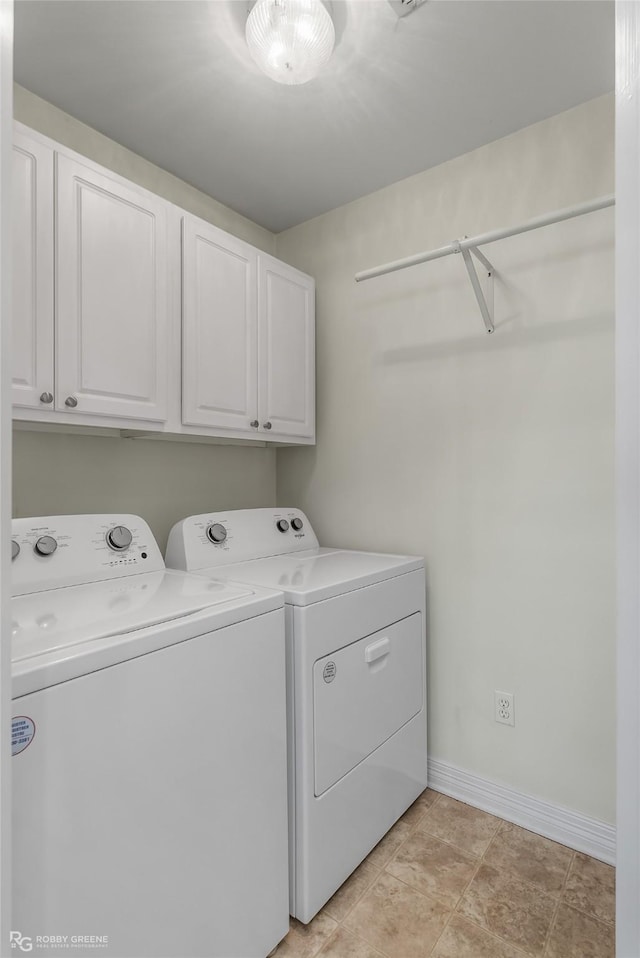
(47, 622)
(317, 574)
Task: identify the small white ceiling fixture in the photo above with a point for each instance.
(290, 40)
(403, 7)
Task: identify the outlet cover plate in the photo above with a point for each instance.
(504, 708)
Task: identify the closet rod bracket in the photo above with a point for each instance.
(470, 245)
(484, 297)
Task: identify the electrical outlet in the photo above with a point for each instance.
(504, 712)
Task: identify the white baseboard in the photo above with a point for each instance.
(584, 834)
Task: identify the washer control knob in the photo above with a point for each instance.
(119, 538)
(45, 546)
(282, 525)
(15, 549)
(216, 532)
(297, 524)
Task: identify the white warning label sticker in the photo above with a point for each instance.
(22, 731)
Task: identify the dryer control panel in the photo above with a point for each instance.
(51, 552)
(220, 538)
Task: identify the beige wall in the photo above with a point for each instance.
(492, 456)
(161, 480)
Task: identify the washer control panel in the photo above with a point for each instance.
(55, 551)
(200, 542)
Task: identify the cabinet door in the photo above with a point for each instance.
(219, 382)
(112, 296)
(286, 344)
(32, 314)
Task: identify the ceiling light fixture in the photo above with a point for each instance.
(290, 40)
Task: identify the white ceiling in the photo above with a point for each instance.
(172, 80)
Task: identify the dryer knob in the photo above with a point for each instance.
(119, 538)
(282, 525)
(15, 549)
(216, 533)
(45, 546)
(297, 524)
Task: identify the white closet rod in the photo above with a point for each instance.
(471, 243)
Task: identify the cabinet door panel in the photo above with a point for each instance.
(286, 327)
(112, 317)
(32, 313)
(219, 329)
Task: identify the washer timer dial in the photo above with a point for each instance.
(282, 525)
(216, 533)
(45, 546)
(119, 538)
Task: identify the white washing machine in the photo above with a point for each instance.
(149, 750)
(356, 679)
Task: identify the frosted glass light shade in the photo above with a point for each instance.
(290, 40)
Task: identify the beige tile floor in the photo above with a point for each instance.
(449, 881)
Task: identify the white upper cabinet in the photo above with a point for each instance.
(286, 350)
(32, 314)
(219, 382)
(101, 336)
(112, 296)
(248, 339)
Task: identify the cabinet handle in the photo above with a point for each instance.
(254, 423)
(71, 401)
(267, 425)
(46, 398)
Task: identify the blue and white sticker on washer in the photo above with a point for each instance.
(22, 731)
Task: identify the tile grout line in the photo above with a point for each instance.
(357, 901)
(416, 828)
(412, 829)
(552, 923)
(503, 825)
(582, 911)
(367, 889)
(466, 853)
(589, 914)
(446, 925)
(557, 899)
(509, 944)
(461, 851)
(454, 910)
(364, 940)
(355, 935)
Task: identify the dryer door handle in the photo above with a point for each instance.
(377, 650)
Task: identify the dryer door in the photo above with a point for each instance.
(363, 694)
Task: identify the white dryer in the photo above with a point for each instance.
(356, 680)
(149, 750)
